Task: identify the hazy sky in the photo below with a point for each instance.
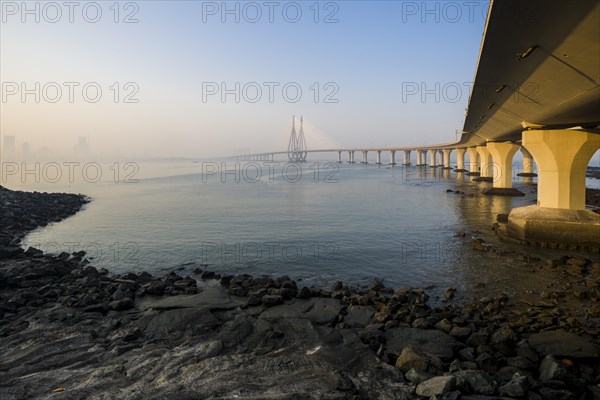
(374, 58)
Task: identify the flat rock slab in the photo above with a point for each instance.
(563, 343)
(180, 319)
(324, 311)
(295, 309)
(359, 316)
(209, 297)
(432, 341)
(321, 311)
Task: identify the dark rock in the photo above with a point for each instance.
(209, 275)
(520, 362)
(239, 291)
(504, 339)
(477, 339)
(454, 395)
(254, 300)
(121, 305)
(433, 341)
(271, 300)
(33, 252)
(101, 308)
(517, 387)
(419, 323)
(444, 325)
(460, 331)
(155, 288)
(358, 316)
(10, 251)
(477, 382)
(324, 311)
(552, 394)
(487, 362)
(8, 306)
(372, 336)
(593, 392)
(416, 376)
(467, 354)
(506, 374)
(413, 358)
(552, 369)
(304, 293)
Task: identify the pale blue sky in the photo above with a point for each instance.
(376, 49)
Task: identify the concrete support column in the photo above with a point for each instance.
(486, 167)
(560, 216)
(364, 157)
(378, 157)
(392, 157)
(460, 160)
(528, 170)
(502, 154)
(527, 161)
(446, 153)
(562, 156)
(473, 161)
(339, 156)
(350, 157)
(432, 160)
(420, 160)
(406, 157)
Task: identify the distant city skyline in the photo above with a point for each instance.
(181, 82)
(202, 79)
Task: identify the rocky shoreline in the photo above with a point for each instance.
(71, 331)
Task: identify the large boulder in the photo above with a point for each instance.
(562, 343)
(420, 360)
(432, 341)
(436, 386)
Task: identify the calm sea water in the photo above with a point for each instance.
(322, 223)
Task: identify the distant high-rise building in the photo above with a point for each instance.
(25, 151)
(8, 147)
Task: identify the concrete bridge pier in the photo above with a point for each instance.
(378, 157)
(406, 157)
(446, 153)
(350, 156)
(364, 157)
(460, 160)
(422, 156)
(432, 158)
(392, 157)
(527, 164)
(486, 165)
(339, 156)
(560, 216)
(502, 154)
(473, 161)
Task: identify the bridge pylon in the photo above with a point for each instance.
(297, 146)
